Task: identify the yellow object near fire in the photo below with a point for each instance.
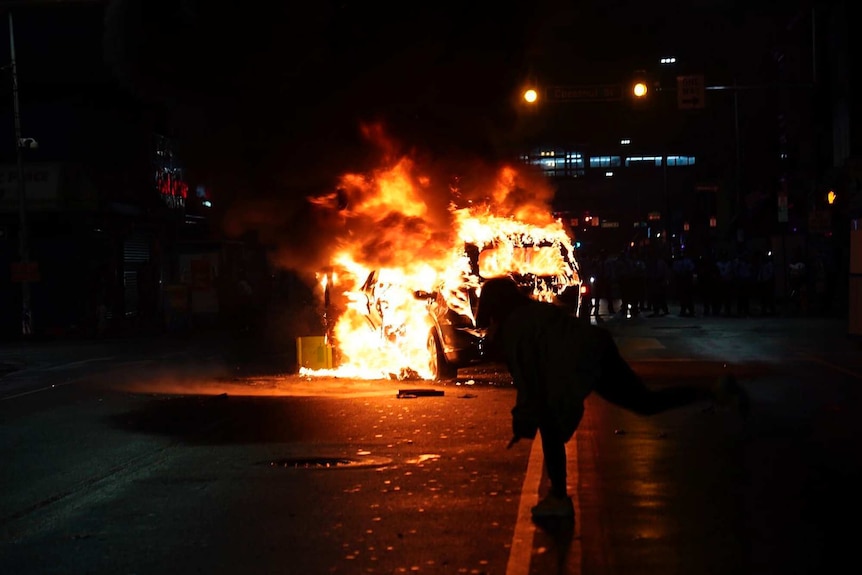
(313, 352)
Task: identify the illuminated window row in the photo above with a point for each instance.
(680, 160)
(604, 161)
(567, 164)
(643, 160)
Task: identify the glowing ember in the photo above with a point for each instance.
(400, 244)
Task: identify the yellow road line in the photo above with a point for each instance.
(521, 550)
(575, 492)
(522, 540)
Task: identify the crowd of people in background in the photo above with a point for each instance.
(643, 281)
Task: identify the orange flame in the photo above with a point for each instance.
(398, 239)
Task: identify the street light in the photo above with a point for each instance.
(639, 89)
(530, 96)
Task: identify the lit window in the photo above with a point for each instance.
(643, 161)
(556, 163)
(680, 160)
(604, 161)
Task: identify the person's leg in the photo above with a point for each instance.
(620, 385)
(557, 504)
(554, 452)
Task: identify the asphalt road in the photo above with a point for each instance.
(148, 457)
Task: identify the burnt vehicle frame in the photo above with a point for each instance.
(453, 340)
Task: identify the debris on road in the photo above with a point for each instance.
(414, 393)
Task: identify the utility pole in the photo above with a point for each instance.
(23, 231)
(27, 271)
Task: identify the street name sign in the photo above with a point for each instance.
(690, 92)
(596, 93)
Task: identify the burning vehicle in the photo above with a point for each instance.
(409, 259)
(541, 261)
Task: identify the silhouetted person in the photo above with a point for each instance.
(604, 283)
(555, 362)
(658, 274)
(766, 284)
(683, 277)
(744, 276)
(628, 285)
(708, 285)
(726, 283)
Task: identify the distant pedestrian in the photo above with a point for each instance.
(658, 279)
(726, 283)
(555, 362)
(744, 277)
(683, 277)
(765, 284)
(708, 286)
(604, 285)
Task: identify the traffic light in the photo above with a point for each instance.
(830, 197)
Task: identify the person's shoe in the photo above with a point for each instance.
(727, 391)
(554, 507)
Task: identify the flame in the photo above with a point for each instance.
(396, 245)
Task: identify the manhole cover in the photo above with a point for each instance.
(327, 462)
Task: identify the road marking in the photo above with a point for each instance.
(37, 390)
(522, 540)
(838, 368)
(521, 550)
(75, 363)
(574, 480)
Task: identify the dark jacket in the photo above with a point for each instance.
(555, 362)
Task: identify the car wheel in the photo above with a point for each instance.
(440, 368)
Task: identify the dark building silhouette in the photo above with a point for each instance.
(108, 202)
(776, 130)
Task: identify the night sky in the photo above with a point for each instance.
(270, 96)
